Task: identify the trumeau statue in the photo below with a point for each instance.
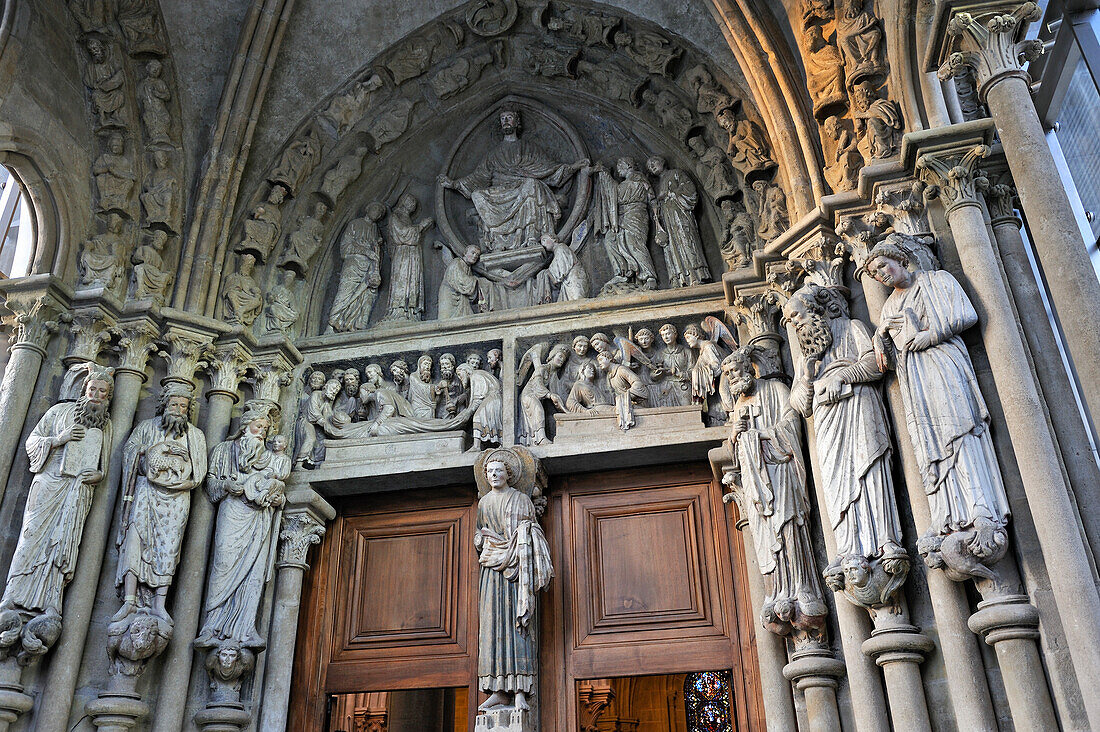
(261, 230)
(242, 300)
(246, 481)
(515, 565)
(164, 459)
(623, 212)
(360, 272)
(768, 478)
(150, 278)
(512, 188)
(407, 260)
(835, 382)
(947, 420)
(68, 450)
(304, 243)
(536, 389)
(678, 235)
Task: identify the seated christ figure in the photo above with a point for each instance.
(512, 188)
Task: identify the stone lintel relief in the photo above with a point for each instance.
(640, 213)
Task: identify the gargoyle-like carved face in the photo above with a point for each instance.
(857, 571)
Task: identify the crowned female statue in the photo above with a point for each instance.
(515, 565)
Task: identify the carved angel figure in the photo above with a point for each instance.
(705, 338)
(536, 389)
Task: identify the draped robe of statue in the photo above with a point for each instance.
(676, 201)
(853, 442)
(360, 276)
(155, 510)
(421, 397)
(54, 514)
(944, 410)
(485, 394)
(511, 191)
(246, 481)
(673, 387)
(406, 269)
(628, 246)
(566, 273)
(774, 498)
(319, 419)
(459, 286)
(515, 565)
(394, 415)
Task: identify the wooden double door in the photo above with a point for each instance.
(649, 579)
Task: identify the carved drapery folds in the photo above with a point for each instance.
(844, 54)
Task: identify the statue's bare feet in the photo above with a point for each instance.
(521, 701)
(497, 699)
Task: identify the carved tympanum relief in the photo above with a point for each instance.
(626, 210)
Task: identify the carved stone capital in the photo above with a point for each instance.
(136, 341)
(226, 368)
(758, 313)
(90, 330)
(991, 44)
(270, 373)
(953, 175)
(186, 351)
(1000, 199)
(903, 207)
(33, 320)
(300, 531)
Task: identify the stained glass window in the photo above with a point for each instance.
(707, 699)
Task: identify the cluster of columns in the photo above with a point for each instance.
(40, 307)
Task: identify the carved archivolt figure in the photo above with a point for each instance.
(512, 188)
(772, 218)
(835, 382)
(739, 242)
(164, 459)
(154, 95)
(748, 149)
(678, 235)
(651, 51)
(842, 156)
(879, 120)
(824, 71)
(68, 450)
(114, 176)
(947, 419)
(407, 260)
(297, 162)
(710, 97)
(246, 481)
(102, 262)
(241, 297)
(536, 389)
(306, 241)
(859, 37)
(104, 76)
(161, 196)
(150, 278)
(515, 565)
(717, 175)
(281, 313)
(261, 230)
(565, 273)
(768, 478)
(360, 273)
(339, 176)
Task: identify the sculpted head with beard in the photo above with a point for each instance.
(175, 407)
(809, 311)
(738, 378)
(257, 424)
(92, 407)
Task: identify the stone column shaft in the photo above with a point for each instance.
(771, 650)
(815, 673)
(190, 582)
(303, 525)
(962, 659)
(1056, 524)
(1073, 282)
(864, 682)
